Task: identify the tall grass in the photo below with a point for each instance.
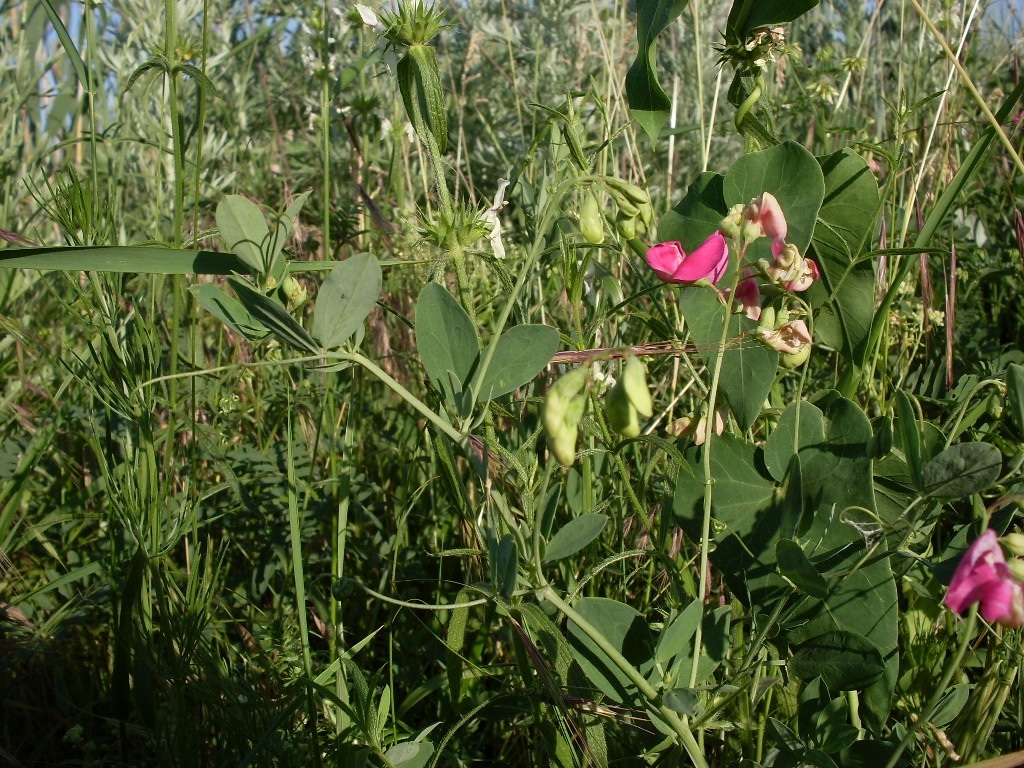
(261, 566)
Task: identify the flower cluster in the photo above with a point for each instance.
(788, 272)
(984, 576)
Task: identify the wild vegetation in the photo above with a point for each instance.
(521, 383)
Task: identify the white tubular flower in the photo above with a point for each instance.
(491, 217)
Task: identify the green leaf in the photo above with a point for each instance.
(229, 311)
(748, 370)
(278, 264)
(682, 700)
(626, 631)
(275, 317)
(410, 754)
(649, 105)
(961, 470)
(950, 704)
(793, 176)
(446, 340)
(676, 639)
(910, 435)
(345, 299)
(521, 353)
(505, 565)
(800, 425)
(1014, 394)
(698, 215)
(143, 259)
(846, 221)
(747, 15)
(845, 661)
(797, 567)
(574, 536)
(67, 43)
(244, 229)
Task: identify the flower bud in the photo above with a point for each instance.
(626, 225)
(591, 220)
(563, 410)
(1014, 544)
(294, 292)
(634, 382)
(795, 359)
(621, 413)
(1016, 566)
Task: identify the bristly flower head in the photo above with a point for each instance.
(412, 23)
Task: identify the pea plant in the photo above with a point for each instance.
(703, 518)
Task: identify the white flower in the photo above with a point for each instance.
(491, 217)
(368, 16)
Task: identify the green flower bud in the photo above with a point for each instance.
(621, 413)
(795, 359)
(294, 292)
(1013, 543)
(626, 225)
(563, 410)
(591, 219)
(634, 382)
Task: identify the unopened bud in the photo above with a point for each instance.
(563, 410)
(621, 413)
(1013, 543)
(591, 219)
(634, 382)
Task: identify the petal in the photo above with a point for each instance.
(710, 260)
(769, 214)
(665, 259)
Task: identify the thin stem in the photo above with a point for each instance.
(547, 594)
(969, 84)
(947, 676)
(709, 481)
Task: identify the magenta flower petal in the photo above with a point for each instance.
(982, 576)
(665, 259)
(710, 260)
(673, 265)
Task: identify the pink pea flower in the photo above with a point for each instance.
(789, 338)
(766, 211)
(982, 576)
(748, 295)
(674, 265)
(790, 270)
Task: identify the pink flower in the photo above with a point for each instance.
(982, 576)
(789, 338)
(748, 295)
(790, 270)
(673, 265)
(766, 212)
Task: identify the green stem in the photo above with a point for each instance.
(670, 716)
(709, 481)
(947, 676)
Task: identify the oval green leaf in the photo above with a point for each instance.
(961, 470)
(574, 536)
(346, 298)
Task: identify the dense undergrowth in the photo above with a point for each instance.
(237, 513)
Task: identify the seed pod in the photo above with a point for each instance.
(795, 359)
(626, 225)
(621, 413)
(591, 220)
(420, 84)
(563, 410)
(634, 382)
(632, 192)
